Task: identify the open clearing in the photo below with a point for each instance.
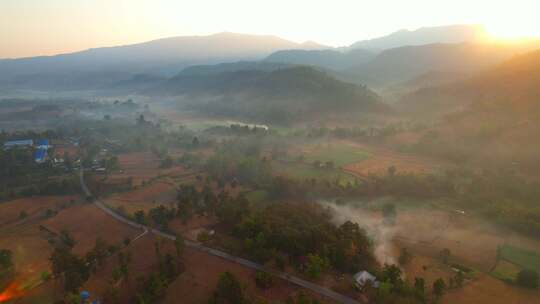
(199, 280)
(339, 154)
(86, 223)
(143, 166)
(524, 258)
(382, 158)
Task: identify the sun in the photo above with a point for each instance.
(513, 30)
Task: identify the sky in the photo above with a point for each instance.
(46, 27)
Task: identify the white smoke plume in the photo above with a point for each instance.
(381, 234)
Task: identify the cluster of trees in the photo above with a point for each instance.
(239, 160)
(151, 288)
(393, 289)
(6, 263)
(75, 270)
(304, 235)
(190, 201)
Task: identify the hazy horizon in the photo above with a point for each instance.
(34, 28)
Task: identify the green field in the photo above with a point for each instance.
(303, 171)
(506, 271)
(521, 257)
(339, 154)
(257, 196)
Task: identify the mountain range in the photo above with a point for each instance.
(379, 63)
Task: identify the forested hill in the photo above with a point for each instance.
(513, 85)
(278, 95)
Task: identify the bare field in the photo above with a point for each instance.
(32, 206)
(143, 166)
(145, 197)
(199, 280)
(86, 223)
(486, 289)
(382, 158)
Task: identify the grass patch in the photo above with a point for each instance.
(521, 257)
(506, 271)
(257, 196)
(339, 154)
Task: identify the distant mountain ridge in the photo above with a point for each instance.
(163, 57)
(329, 59)
(425, 35)
(409, 62)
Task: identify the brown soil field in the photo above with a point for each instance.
(382, 158)
(145, 197)
(486, 289)
(143, 262)
(199, 280)
(86, 223)
(29, 244)
(428, 268)
(143, 166)
(470, 241)
(31, 251)
(33, 206)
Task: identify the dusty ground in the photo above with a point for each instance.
(486, 289)
(202, 273)
(143, 166)
(145, 197)
(86, 223)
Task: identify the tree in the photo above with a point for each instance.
(6, 259)
(419, 286)
(71, 267)
(23, 215)
(391, 273)
(228, 290)
(179, 245)
(389, 212)
(445, 255)
(263, 279)
(527, 278)
(140, 218)
(404, 257)
(141, 120)
(315, 265)
(459, 278)
(438, 288)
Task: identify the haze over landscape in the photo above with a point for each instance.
(269, 152)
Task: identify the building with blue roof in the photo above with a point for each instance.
(39, 155)
(43, 144)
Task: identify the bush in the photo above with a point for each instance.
(263, 280)
(527, 278)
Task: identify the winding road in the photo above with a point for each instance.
(198, 246)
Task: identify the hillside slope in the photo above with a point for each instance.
(491, 118)
(405, 63)
(280, 95)
(514, 84)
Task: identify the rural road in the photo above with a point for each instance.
(198, 246)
